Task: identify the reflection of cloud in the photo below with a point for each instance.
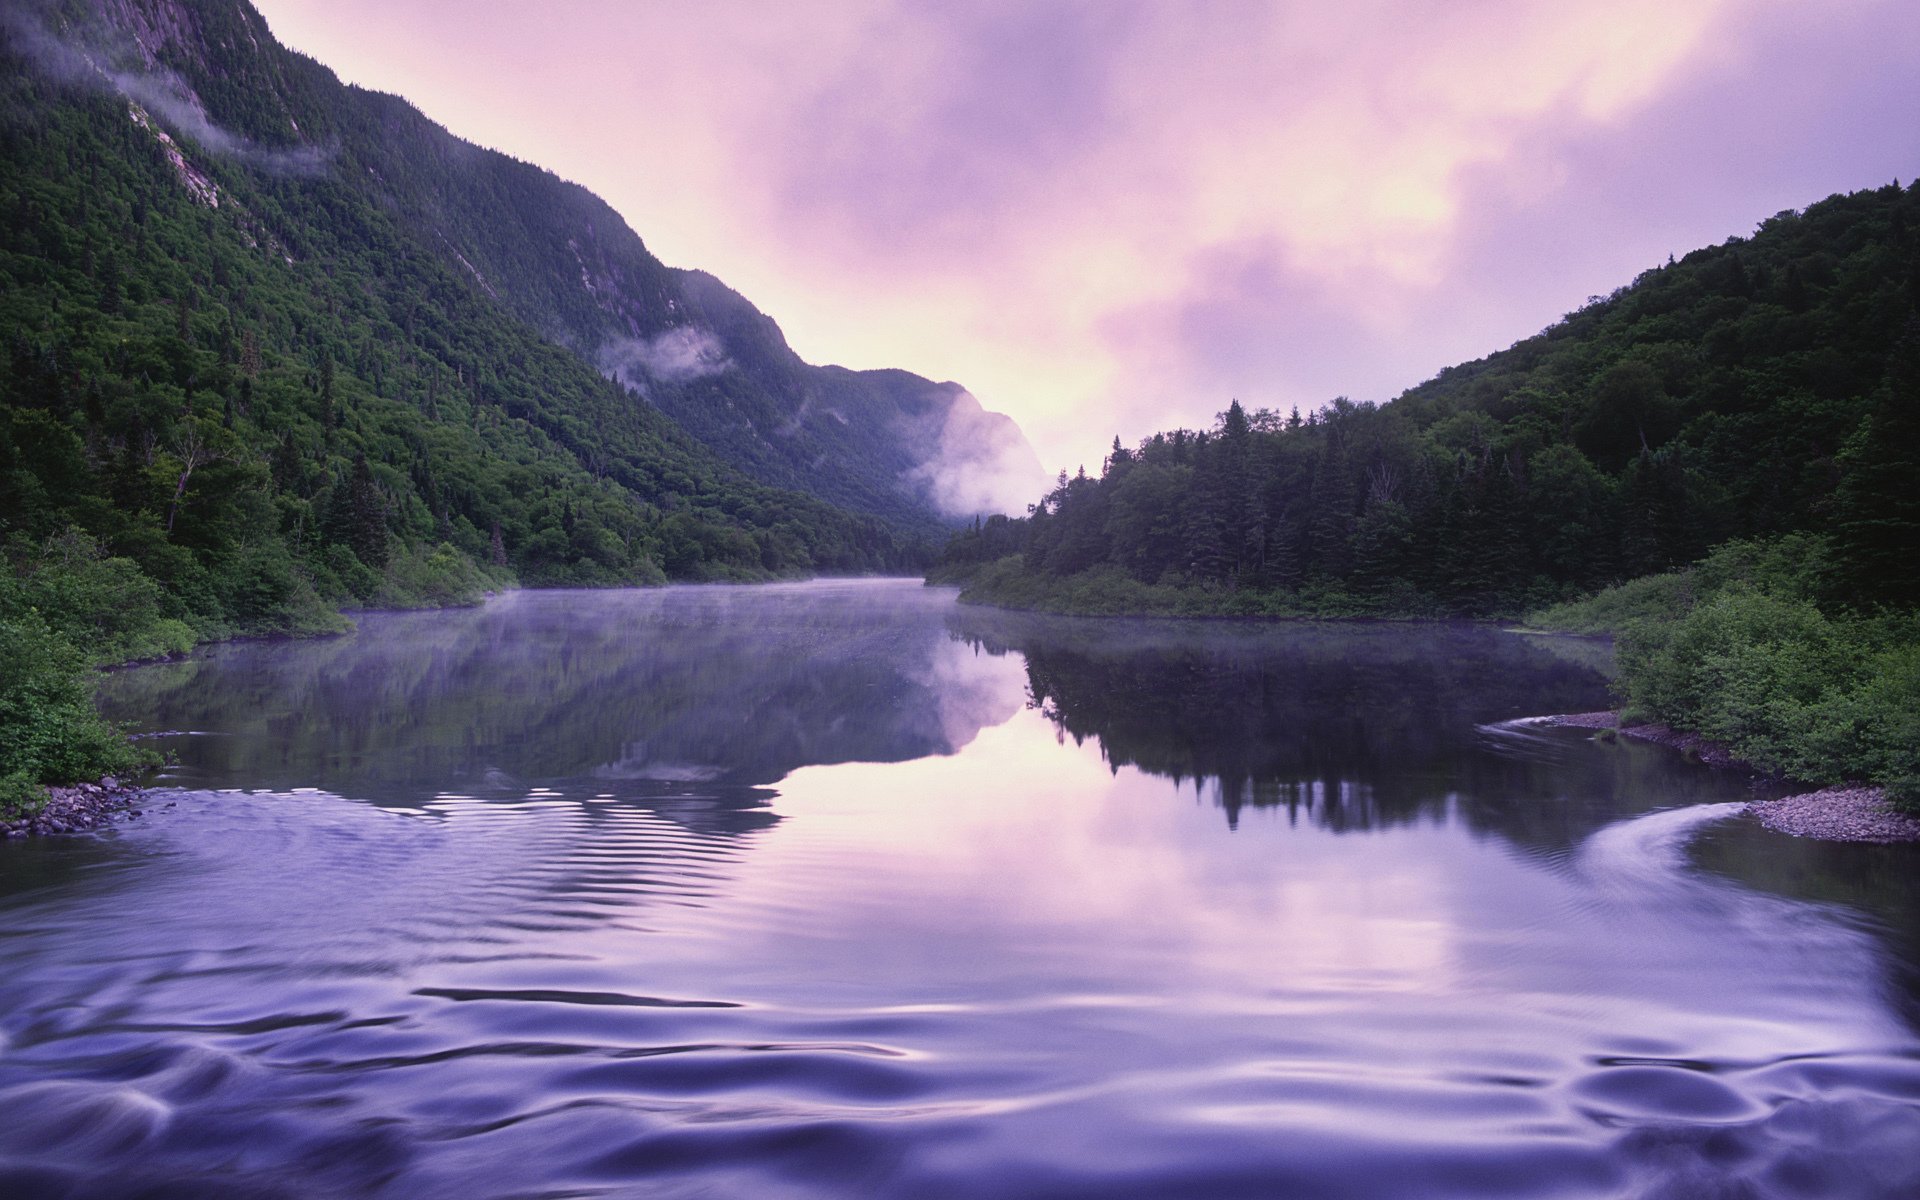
(679, 355)
(973, 690)
(974, 461)
(1049, 851)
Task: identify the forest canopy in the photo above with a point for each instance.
(1750, 390)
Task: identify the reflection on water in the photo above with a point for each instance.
(1353, 725)
(841, 890)
(594, 692)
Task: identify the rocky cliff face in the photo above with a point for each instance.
(211, 80)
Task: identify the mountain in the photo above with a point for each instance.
(226, 269)
(1756, 389)
(555, 256)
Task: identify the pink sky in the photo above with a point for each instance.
(1112, 216)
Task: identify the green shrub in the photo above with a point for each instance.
(1816, 697)
(165, 638)
(1885, 710)
(1648, 598)
(50, 731)
(436, 577)
(20, 795)
(104, 604)
(1730, 658)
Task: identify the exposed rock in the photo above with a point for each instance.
(1835, 814)
(1838, 814)
(76, 808)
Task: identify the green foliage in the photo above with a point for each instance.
(1107, 591)
(1885, 711)
(1649, 598)
(1755, 646)
(1799, 566)
(232, 419)
(103, 603)
(49, 729)
(1766, 387)
(436, 577)
(1793, 690)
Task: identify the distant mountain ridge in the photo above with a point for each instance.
(561, 260)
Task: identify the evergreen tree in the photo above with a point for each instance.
(1877, 504)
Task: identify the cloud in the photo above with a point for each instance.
(167, 96)
(1110, 216)
(1570, 207)
(108, 61)
(973, 461)
(1119, 215)
(679, 355)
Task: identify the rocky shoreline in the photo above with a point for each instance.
(76, 808)
(1835, 814)
(1841, 814)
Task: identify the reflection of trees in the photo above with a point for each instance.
(1350, 726)
(627, 693)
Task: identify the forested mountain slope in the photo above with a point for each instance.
(1752, 389)
(547, 251)
(243, 355)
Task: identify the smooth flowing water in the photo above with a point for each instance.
(844, 890)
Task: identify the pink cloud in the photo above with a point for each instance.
(1113, 215)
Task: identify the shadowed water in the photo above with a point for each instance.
(842, 890)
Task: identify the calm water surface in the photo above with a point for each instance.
(842, 890)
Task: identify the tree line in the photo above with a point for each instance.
(1749, 390)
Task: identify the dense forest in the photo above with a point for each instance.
(242, 387)
(225, 365)
(329, 170)
(1756, 388)
(1725, 451)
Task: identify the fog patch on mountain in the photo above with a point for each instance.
(124, 67)
(974, 461)
(678, 355)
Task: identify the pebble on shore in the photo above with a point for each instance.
(75, 808)
(1835, 814)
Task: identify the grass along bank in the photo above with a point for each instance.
(1109, 591)
(68, 608)
(1757, 648)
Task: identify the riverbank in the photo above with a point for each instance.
(76, 808)
(1853, 813)
(1838, 814)
(1108, 591)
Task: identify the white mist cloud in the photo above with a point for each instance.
(96, 59)
(975, 461)
(678, 355)
(169, 98)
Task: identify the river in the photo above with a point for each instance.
(845, 890)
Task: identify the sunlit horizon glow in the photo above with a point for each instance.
(1112, 217)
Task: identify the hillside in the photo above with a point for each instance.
(206, 229)
(1753, 389)
(547, 251)
(1731, 442)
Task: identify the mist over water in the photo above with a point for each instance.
(843, 890)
